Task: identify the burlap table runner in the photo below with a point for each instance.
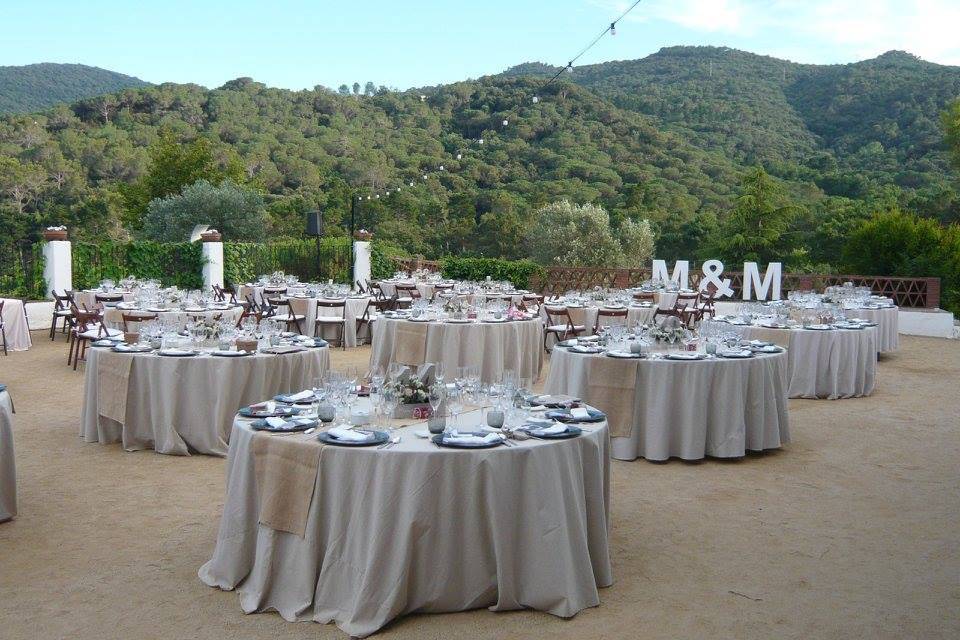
(286, 468)
(611, 387)
(113, 381)
(410, 343)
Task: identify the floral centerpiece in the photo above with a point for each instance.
(414, 398)
(211, 235)
(454, 308)
(363, 235)
(670, 331)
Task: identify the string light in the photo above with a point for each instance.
(612, 30)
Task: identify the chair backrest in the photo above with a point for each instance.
(335, 304)
(609, 313)
(137, 318)
(410, 289)
(102, 298)
(558, 315)
(86, 320)
(62, 303)
(376, 291)
(643, 295)
(360, 287)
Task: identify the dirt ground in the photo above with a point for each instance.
(851, 531)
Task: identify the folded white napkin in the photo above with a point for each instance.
(471, 439)
(579, 413)
(269, 406)
(303, 395)
(275, 422)
(340, 433)
(558, 427)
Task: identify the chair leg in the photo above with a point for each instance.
(3, 332)
(53, 327)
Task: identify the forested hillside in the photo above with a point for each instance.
(674, 138)
(39, 86)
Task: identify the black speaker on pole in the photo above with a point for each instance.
(314, 223)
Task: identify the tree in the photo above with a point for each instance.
(369, 89)
(951, 126)
(356, 88)
(232, 209)
(756, 229)
(895, 243)
(172, 167)
(580, 235)
(344, 90)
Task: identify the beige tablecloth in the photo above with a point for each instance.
(355, 306)
(888, 325)
(256, 290)
(113, 317)
(720, 408)
(8, 469)
(420, 529)
(186, 405)
(15, 325)
(493, 347)
(839, 363)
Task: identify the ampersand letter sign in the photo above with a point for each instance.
(752, 282)
(712, 270)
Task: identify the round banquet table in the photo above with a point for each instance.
(15, 325)
(831, 364)
(8, 471)
(389, 287)
(888, 325)
(493, 347)
(87, 299)
(587, 315)
(183, 405)
(369, 535)
(660, 409)
(113, 316)
(353, 309)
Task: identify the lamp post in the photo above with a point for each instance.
(353, 221)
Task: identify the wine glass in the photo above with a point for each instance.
(436, 395)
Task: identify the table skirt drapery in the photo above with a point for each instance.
(719, 408)
(419, 529)
(888, 325)
(8, 467)
(838, 363)
(15, 325)
(183, 405)
(492, 347)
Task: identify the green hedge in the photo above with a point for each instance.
(21, 271)
(173, 263)
(519, 272)
(245, 261)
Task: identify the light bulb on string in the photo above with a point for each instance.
(424, 176)
(411, 184)
(459, 155)
(378, 196)
(536, 99)
(398, 189)
(441, 167)
(368, 197)
(506, 122)
(569, 67)
(480, 141)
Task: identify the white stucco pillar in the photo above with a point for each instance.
(57, 266)
(361, 262)
(212, 264)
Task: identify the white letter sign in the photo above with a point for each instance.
(712, 270)
(751, 280)
(681, 272)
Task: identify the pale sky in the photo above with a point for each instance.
(299, 43)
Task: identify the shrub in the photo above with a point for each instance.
(519, 272)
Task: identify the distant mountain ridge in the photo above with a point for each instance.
(34, 87)
(878, 116)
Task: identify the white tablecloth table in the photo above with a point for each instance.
(490, 346)
(832, 364)
(716, 407)
(389, 287)
(184, 405)
(15, 325)
(113, 316)
(417, 528)
(354, 308)
(8, 470)
(888, 325)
